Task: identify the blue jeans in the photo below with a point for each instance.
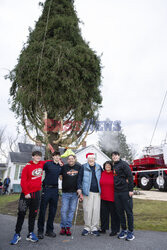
(69, 203)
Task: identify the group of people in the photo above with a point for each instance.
(4, 186)
(105, 192)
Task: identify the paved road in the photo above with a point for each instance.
(151, 195)
(144, 240)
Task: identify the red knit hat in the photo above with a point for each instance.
(90, 155)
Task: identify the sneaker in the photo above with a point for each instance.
(102, 231)
(40, 235)
(50, 234)
(113, 233)
(63, 231)
(122, 234)
(68, 232)
(32, 237)
(95, 233)
(85, 232)
(15, 239)
(130, 236)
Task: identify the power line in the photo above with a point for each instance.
(158, 117)
(43, 45)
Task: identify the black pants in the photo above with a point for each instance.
(124, 204)
(6, 189)
(108, 209)
(104, 216)
(24, 204)
(49, 196)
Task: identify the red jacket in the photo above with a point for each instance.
(107, 186)
(31, 177)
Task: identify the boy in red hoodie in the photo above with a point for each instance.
(31, 181)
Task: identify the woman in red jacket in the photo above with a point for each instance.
(107, 200)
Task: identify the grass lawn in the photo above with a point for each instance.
(148, 215)
(6, 201)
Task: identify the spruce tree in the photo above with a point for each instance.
(58, 75)
(114, 140)
(124, 148)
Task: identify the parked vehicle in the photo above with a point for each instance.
(151, 170)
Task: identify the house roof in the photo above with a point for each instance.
(21, 157)
(79, 150)
(24, 147)
(3, 165)
(25, 154)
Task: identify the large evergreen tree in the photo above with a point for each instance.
(57, 74)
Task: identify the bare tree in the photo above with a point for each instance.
(8, 143)
(2, 142)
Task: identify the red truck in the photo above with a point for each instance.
(151, 170)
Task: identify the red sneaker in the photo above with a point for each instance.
(68, 232)
(63, 231)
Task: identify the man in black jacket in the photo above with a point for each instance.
(123, 187)
(49, 195)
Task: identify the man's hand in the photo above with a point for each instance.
(79, 192)
(28, 196)
(81, 197)
(61, 163)
(130, 194)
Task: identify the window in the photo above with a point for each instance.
(16, 172)
(9, 169)
(21, 168)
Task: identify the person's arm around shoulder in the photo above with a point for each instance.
(61, 173)
(45, 166)
(129, 176)
(44, 162)
(61, 163)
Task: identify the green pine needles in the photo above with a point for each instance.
(57, 74)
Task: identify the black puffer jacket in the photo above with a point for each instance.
(123, 178)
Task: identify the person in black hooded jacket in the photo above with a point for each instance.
(123, 192)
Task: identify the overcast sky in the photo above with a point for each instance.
(131, 35)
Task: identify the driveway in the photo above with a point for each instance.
(145, 240)
(151, 195)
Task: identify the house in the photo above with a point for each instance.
(17, 161)
(3, 168)
(99, 155)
